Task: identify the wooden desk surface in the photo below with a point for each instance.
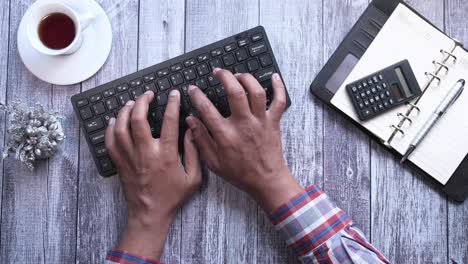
(65, 213)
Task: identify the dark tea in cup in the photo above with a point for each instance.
(57, 31)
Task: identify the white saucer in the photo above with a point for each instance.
(79, 66)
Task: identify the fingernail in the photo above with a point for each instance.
(149, 92)
(174, 93)
(237, 74)
(215, 70)
(130, 103)
(276, 77)
(112, 121)
(192, 87)
(191, 123)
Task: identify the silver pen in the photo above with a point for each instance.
(449, 99)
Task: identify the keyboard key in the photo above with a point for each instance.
(252, 65)
(211, 94)
(212, 80)
(82, 102)
(161, 99)
(202, 69)
(177, 79)
(109, 92)
(216, 52)
(176, 67)
(243, 42)
(101, 151)
(95, 98)
(265, 60)
(86, 113)
(99, 108)
(257, 36)
(189, 74)
(106, 164)
(190, 62)
(124, 98)
(220, 91)
(264, 74)
(241, 55)
(229, 60)
(215, 63)
(136, 82)
(112, 103)
(94, 125)
(164, 84)
(201, 83)
(98, 137)
(184, 89)
(155, 114)
(149, 78)
(230, 47)
(108, 116)
(240, 68)
(137, 92)
(257, 48)
(203, 57)
(122, 87)
(162, 72)
(185, 106)
(150, 86)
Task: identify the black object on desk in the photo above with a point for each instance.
(383, 90)
(246, 52)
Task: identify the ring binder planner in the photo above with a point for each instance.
(442, 65)
(405, 117)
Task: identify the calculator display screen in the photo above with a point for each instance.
(403, 84)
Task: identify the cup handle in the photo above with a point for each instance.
(86, 19)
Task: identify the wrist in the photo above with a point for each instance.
(273, 193)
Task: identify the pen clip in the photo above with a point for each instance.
(456, 97)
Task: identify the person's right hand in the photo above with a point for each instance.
(245, 149)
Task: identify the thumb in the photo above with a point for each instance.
(191, 159)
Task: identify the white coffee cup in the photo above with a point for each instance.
(81, 21)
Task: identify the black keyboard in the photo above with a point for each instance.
(246, 52)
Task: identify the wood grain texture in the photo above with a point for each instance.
(5, 36)
(295, 32)
(346, 149)
(219, 223)
(101, 205)
(24, 204)
(408, 214)
(456, 23)
(160, 24)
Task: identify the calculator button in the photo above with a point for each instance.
(364, 84)
(380, 106)
(361, 105)
(82, 102)
(386, 104)
(358, 97)
(369, 82)
(366, 112)
(368, 93)
(377, 98)
(354, 89)
(391, 101)
(379, 88)
(109, 92)
(387, 93)
(176, 67)
(372, 101)
(382, 96)
(373, 90)
(359, 87)
(384, 85)
(380, 77)
(375, 79)
(363, 95)
(122, 87)
(136, 82)
(376, 110)
(366, 102)
(95, 98)
(149, 77)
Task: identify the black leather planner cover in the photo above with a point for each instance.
(342, 62)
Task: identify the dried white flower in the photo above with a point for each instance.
(33, 134)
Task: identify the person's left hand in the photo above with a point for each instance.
(154, 180)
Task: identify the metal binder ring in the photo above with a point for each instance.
(413, 106)
(445, 67)
(397, 129)
(449, 54)
(433, 76)
(405, 117)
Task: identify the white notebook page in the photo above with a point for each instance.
(404, 36)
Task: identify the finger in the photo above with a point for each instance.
(170, 126)
(256, 94)
(122, 128)
(278, 105)
(191, 160)
(207, 111)
(235, 92)
(109, 138)
(141, 132)
(203, 141)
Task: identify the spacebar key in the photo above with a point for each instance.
(264, 74)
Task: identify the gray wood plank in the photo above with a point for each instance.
(5, 34)
(346, 149)
(161, 37)
(295, 32)
(219, 223)
(101, 205)
(408, 215)
(24, 209)
(455, 20)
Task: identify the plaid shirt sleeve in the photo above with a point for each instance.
(319, 232)
(123, 257)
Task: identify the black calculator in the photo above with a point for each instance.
(384, 90)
